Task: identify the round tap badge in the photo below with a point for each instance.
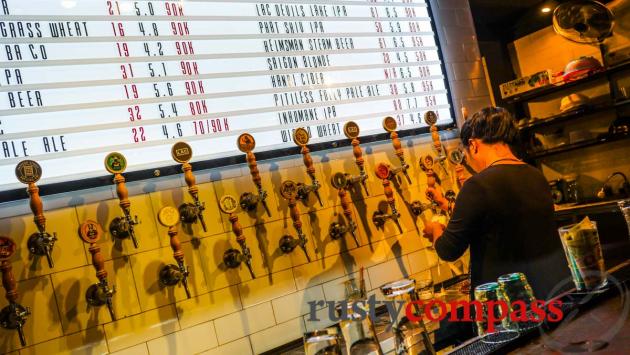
(181, 152)
(430, 118)
(339, 181)
(426, 162)
(246, 143)
(300, 137)
(228, 204)
(115, 163)
(288, 189)
(456, 156)
(28, 171)
(382, 171)
(168, 216)
(90, 231)
(7, 248)
(389, 123)
(351, 130)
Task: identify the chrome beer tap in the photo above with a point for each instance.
(99, 293)
(233, 258)
(14, 315)
(248, 200)
(289, 191)
(351, 130)
(390, 125)
(40, 243)
(171, 275)
(121, 227)
(301, 138)
(336, 230)
(189, 212)
(380, 217)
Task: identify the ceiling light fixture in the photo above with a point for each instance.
(545, 10)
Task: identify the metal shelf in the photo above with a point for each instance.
(579, 145)
(530, 95)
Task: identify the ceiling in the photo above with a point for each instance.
(507, 21)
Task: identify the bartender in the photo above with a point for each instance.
(504, 213)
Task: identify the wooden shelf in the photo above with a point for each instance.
(530, 95)
(578, 145)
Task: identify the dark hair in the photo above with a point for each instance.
(491, 125)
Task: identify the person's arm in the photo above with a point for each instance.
(465, 223)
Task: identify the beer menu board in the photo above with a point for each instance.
(82, 78)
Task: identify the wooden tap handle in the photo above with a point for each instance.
(237, 229)
(253, 169)
(389, 193)
(189, 177)
(431, 180)
(345, 204)
(358, 153)
(436, 139)
(8, 281)
(37, 207)
(122, 192)
(295, 214)
(397, 145)
(308, 161)
(461, 176)
(176, 245)
(98, 261)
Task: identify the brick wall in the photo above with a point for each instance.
(229, 313)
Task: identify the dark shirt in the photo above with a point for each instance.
(505, 215)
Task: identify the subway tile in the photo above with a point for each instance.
(141, 328)
(187, 341)
(441, 273)
(335, 290)
(218, 174)
(264, 241)
(43, 323)
(245, 322)
(319, 271)
(365, 256)
(264, 289)
(279, 335)
(91, 341)
(389, 271)
(105, 211)
(237, 347)
(461, 88)
(70, 288)
(480, 87)
(209, 306)
(67, 252)
(210, 252)
(447, 17)
(389, 229)
(296, 304)
(298, 175)
(422, 260)
(176, 198)
(140, 349)
(146, 270)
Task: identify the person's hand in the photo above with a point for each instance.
(433, 231)
(435, 194)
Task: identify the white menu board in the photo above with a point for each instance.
(82, 78)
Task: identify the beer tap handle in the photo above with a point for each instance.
(40, 243)
(347, 212)
(116, 164)
(228, 205)
(100, 293)
(182, 153)
(390, 125)
(301, 138)
(351, 130)
(246, 144)
(14, 315)
(389, 194)
(178, 255)
(289, 191)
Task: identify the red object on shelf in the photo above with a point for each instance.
(580, 68)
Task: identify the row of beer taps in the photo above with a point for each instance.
(41, 243)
